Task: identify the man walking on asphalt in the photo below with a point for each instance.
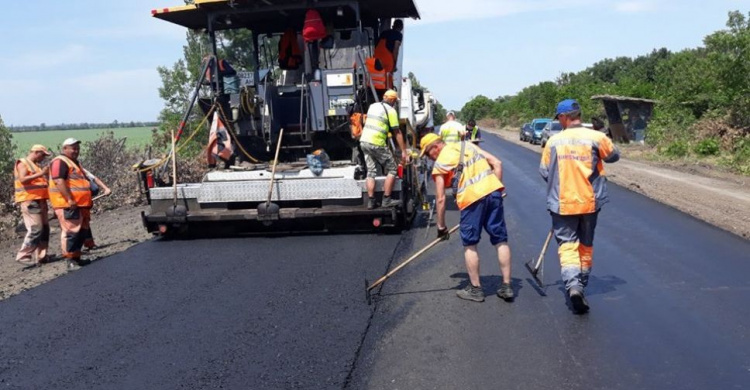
(381, 119)
(576, 190)
(476, 180)
(31, 194)
(70, 195)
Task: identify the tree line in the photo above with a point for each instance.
(703, 94)
(76, 126)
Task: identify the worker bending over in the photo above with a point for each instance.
(31, 194)
(576, 190)
(381, 119)
(476, 180)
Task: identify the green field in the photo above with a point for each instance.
(136, 136)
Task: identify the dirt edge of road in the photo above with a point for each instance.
(718, 198)
(114, 231)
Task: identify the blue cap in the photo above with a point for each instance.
(567, 106)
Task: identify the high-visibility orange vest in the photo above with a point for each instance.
(377, 73)
(33, 190)
(290, 55)
(385, 56)
(77, 183)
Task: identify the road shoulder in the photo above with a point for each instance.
(720, 200)
(114, 232)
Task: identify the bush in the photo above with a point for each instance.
(7, 159)
(677, 148)
(707, 147)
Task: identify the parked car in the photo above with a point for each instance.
(537, 126)
(526, 132)
(550, 129)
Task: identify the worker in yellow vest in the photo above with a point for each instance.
(452, 131)
(473, 133)
(70, 196)
(31, 194)
(382, 118)
(475, 176)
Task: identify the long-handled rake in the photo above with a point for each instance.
(537, 268)
(369, 287)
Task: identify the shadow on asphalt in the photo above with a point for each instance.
(490, 283)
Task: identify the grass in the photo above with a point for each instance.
(136, 136)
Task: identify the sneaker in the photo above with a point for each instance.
(471, 293)
(371, 204)
(388, 202)
(72, 265)
(578, 301)
(506, 292)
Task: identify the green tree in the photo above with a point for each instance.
(477, 108)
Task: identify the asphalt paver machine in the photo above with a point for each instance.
(304, 109)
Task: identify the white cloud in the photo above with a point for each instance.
(631, 7)
(450, 10)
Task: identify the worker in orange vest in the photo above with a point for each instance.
(573, 166)
(388, 46)
(70, 196)
(31, 194)
(475, 176)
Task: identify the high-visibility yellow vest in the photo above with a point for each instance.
(451, 131)
(78, 185)
(380, 119)
(33, 190)
(474, 132)
(477, 180)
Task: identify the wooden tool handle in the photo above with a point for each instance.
(410, 259)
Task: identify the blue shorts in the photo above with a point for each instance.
(485, 213)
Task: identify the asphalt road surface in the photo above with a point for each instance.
(670, 298)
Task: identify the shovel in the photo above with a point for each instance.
(268, 211)
(537, 268)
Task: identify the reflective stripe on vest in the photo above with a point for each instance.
(379, 77)
(33, 190)
(478, 179)
(450, 132)
(377, 124)
(77, 183)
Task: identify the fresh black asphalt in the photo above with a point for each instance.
(670, 299)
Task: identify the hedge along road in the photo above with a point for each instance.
(669, 308)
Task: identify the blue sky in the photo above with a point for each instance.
(95, 61)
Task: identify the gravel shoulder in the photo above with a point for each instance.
(719, 198)
(114, 232)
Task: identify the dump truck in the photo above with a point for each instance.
(282, 135)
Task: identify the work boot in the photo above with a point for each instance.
(471, 293)
(506, 292)
(578, 301)
(388, 202)
(371, 203)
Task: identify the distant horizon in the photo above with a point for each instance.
(101, 125)
(63, 64)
